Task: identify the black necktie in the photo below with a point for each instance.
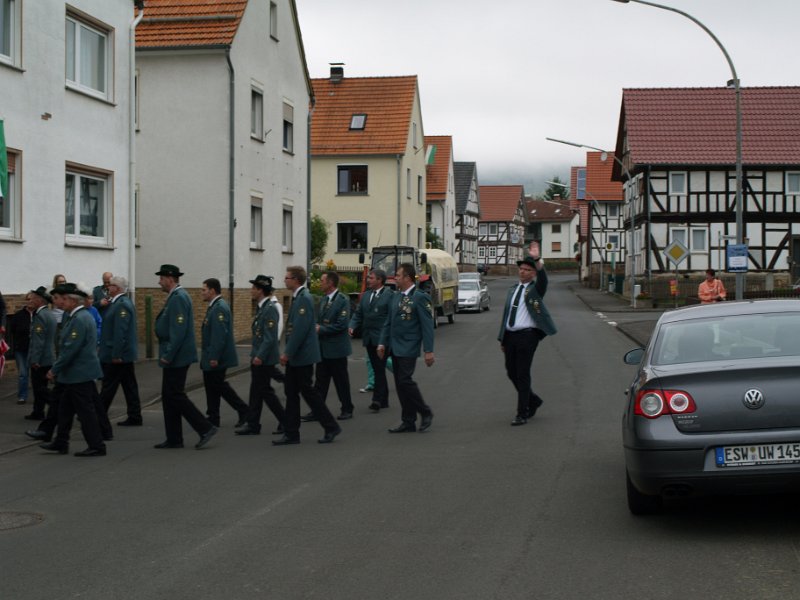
(514, 304)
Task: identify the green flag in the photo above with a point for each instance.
(3, 164)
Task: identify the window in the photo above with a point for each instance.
(556, 246)
(351, 236)
(677, 184)
(136, 214)
(273, 21)
(492, 252)
(414, 135)
(256, 224)
(419, 238)
(612, 210)
(793, 183)
(408, 234)
(613, 238)
(699, 240)
(88, 57)
(420, 193)
(482, 229)
(286, 241)
(288, 127)
(695, 240)
(556, 228)
(136, 100)
(408, 184)
(9, 209)
(257, 114)
(492, 228)
(580, 192)
(358, 121)
(9, 31)
(352, 179)
(481, 251)
(88, 210)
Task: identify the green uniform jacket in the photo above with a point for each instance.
(302, 346)
(77, 359)
(265, 334)
(334, 318)
(371, 317)
(409, 324)
(118, 334)
(175, 331)
(42, 350)
(217, 341)
(534, 302)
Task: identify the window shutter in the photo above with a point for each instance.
(288, 113)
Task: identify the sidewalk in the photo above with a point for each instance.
(638, 330)
(148, 375)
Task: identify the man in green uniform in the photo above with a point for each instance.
(41, 351)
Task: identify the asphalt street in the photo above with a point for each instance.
(473, 508)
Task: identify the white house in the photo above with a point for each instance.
(501, 228)
(441, 211)
(554, 225)
(65, 102)
(468, 206)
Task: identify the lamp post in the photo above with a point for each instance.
(738, 96)
(631, 253)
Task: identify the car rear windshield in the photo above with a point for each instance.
(724, 338)
(469, 286)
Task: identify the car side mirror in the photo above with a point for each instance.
(634, 357)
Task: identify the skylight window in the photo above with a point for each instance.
(358, 121)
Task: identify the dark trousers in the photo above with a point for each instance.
(48, 425)
(408, 393)
(520, 347)
(41, 393)
(114, 375)
(380, 394)
(336, 369)
(176, 404)
(80, 399)
(216, 388)
(299, 381)
(261, 393)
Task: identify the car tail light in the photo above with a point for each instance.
(655, 403)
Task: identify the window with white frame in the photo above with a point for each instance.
(273, 21)
(88, 207)
(408, 184)
(288, 228)
(89, 58)
(257, 114)
(492, 228)
(419, 238)
(677, 183)
(694, 238)
(483, 229)
(613, 238)
(136, 205)
(793, 183)
(9, 201)
(358, 121)
(492, 251)
(352, 179)
(9, 31)
(612, 210)
(481, 251)
(256, 223)
(408, 234)
(351, 235)
(420, 192)
(288, 127)
(414, 135)
(136, 100)
(699, 240)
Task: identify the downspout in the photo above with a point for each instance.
(308, 183)
(231, 177)
(398, 200)
(132, 154)
(648, 265)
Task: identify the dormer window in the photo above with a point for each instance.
(358, 121)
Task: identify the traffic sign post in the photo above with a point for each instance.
(676, 252)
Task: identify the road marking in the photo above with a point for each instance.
(612, 323)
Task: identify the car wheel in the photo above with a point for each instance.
(639, 503)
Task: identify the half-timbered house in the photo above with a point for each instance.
(501, 228)
(468, 204)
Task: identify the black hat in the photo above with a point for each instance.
(68, 289)
(169, 271)
(528, 260)
(42, 291)
(262, 281)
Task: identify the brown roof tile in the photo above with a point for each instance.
(439, 170)
(500, 202)
(599, 185)
(182, 23)
(547, 211)
(388, 103)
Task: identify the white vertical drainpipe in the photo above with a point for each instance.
(132, 153)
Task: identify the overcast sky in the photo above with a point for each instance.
(500, 77)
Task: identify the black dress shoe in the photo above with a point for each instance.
(285, 441)
(248, 429)
(91, 452)
(519, 421)
(34, 417)
(278, 430)
(130, 423)
(375, 407)
(403, 428)
(344, 416)
(168, 444)
(330, 436)
(37, 434)
(206, 437)
(308, 417)
(384, 405)
(55, 447)
(242, 420)
(534, 405)
(426, 421)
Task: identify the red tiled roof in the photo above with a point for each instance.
(599, 185)
(182, 23)
(439, 171)
(388, 103)
(697, 126)
(547, 211)
(500, 202)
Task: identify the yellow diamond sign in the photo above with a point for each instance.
(676, 252)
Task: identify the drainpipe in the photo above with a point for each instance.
(231, 177)
(132, 154)
(308, 184)
(398, 200)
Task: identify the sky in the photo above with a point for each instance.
(501, 77)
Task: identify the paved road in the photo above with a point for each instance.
(472, 509)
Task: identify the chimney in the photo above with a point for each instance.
(337, 72)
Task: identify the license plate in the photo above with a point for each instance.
(761, 454)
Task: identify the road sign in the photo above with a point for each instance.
(736, 258)
(676, 252)
(611, 246)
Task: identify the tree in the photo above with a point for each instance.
(319, 239)
(433, 238)
(556, 187)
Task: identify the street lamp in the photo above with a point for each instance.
(738, 95)
(631, 249)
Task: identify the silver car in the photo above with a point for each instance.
(473, 295)
(715, 404)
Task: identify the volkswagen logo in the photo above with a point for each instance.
(753, 399)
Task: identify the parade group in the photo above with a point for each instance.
(91, 335)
